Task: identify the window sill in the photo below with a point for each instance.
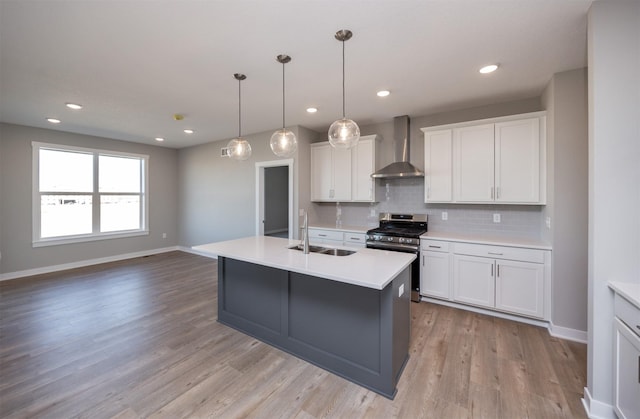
(81, 239)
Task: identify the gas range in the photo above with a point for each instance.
(398, 232)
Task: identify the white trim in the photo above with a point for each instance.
(567, 333)
(596, 409)
(198, 252)
(88, 238)
(83, 263)
(260, 166)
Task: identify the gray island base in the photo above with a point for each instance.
(356, 332)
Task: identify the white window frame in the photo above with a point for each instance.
(38, 241)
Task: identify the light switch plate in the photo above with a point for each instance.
(401, 290)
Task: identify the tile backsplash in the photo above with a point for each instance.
(407, 196)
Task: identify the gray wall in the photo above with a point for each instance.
(218, 194)
(567, 146)
(614, 178)
(16, 197)
(276, 191)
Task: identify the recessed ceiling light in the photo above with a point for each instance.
(159, 139)
(489, 68)
(312, 110)
(54, 120)
(188, 131)
(73, 106)
(383, 93)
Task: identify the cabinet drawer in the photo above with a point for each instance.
(627, 313)
(357, 238)
(434, 245)
(325, 234)
(500, 252)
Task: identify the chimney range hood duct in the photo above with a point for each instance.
(401, 168)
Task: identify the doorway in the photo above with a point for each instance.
(274, 198)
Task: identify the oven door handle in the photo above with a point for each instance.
(395, 247)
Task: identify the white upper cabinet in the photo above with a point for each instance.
(344, 175)
(330, 173)
(474, 163)
(363, 163)
(498, 160)
(518, 161)
(438, 177)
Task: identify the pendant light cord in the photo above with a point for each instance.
(283, 96)
(239, 111)
(343, 111)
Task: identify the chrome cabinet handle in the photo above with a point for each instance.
(497, 192)
(498, 271)
(435, 247)
(495, 253)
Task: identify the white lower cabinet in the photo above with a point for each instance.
(336, 237)
(626, 359)
(473, 280)
(508, 279)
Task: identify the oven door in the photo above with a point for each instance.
(415, 265)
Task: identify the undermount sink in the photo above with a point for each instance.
(325, 250)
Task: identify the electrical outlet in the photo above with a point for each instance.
(400, 290)
(445, 216)
(496, 218)
(547, 221)
(164, 235)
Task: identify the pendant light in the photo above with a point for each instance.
(239, 148)
(283, 142)
(344, 133)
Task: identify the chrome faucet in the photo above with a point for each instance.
(305, 233)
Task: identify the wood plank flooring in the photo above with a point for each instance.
(139, 338)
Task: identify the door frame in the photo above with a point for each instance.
(260, 166)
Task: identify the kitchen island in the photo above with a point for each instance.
(346, 314)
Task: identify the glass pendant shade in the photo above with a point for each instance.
(239, 149)
(344, 133)
(284, 143)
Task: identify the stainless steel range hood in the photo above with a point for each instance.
(400, 168)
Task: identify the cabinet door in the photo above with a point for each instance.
(434, 275)
(520, 287)
(438, 171)
(321, 172)
(341, 188)
(474, 163)
(626, 372)
(363, 160)
(473, 280)
(517, 169)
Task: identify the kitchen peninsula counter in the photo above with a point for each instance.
(347, 314)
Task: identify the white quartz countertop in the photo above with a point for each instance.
(482, 239)
(629, 290)
(369, 268)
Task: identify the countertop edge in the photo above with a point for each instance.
(488, 240)
(628, 290)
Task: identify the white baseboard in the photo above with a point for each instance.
(82, 263)
(596, 409)
(197, 252)
(568, 334)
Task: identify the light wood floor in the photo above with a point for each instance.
(139, 338)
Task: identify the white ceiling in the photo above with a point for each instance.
(133, 64)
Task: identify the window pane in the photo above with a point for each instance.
(119, 174)
(65, 171)
(119, 212)
(65, 215)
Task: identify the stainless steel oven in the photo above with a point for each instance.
(401, 233)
